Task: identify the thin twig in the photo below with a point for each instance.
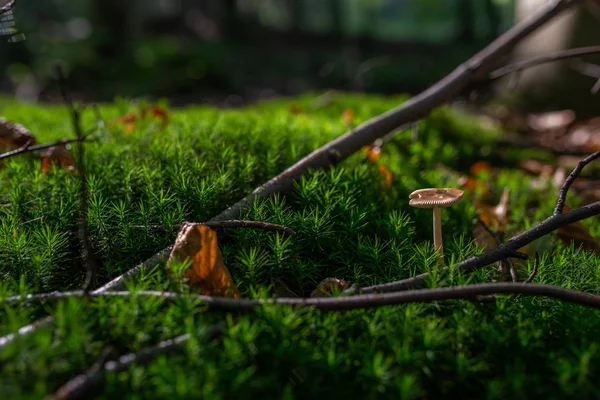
(8, 6)
(562, 196)
(544, 59)
(344, 302)
(27, 148)
(330, 154)
(89, 384)
(87, 255)
(229, 225)
(25, 330)
(536, 264)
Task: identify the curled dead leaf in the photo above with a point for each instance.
(60, 155)
(579, 234)
(372, 152)
(329, 287)
(387, 175)
(207, 274)
(551, 120)
(13, 135)
(295, 109)
(348, 116)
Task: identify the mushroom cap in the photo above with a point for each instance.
(434, 197)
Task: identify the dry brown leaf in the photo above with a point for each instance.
(329, 287)
(207, 273)
(130, 120)
(60, 155)
(156, 112)
(372, 152)
(387, 175)
(13, 135)
(348, 116)
(482, 238)
(578, 234)
(295, 109)
(554, 120)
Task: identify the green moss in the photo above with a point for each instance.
(348, 224)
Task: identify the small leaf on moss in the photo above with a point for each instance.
(198, 245)
(13, 135)
(60, 155)
(329, 287)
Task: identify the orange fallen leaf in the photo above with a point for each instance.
(329, 287)
(372, 152)
(60, 155)
(348, 116)
(13, 135)
(156, 112)
(130, 120)
(494, 217)
(387, 175)
(480, 167)
(295, 109)
(207, 273)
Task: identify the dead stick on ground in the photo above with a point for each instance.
(27, 148)
(546, 58)
(89, 384)
(345, 302)
(267, 226)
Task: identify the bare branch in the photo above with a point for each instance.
(27, 148)
(536, 264)
(8, 6)
(89, 384)
(346, 302)
(546, 58)
(25, 330)
(562, 196)
(267, 226)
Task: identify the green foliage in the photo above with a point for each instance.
(349, 226)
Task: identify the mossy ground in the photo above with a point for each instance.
(350, 226)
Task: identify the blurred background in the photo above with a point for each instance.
(230, 52)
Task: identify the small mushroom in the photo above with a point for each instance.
(436, 199)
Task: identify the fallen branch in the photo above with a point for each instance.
(89, 384)
(267, 226)
(27, 148)
(544, 59)
(345, 302)
(8, 6)
(536, 265)
(564, 189)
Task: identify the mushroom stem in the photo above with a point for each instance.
(437, 234)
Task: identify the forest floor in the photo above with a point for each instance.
(151, 168)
